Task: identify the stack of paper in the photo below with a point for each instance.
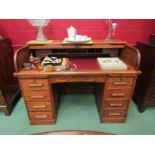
(111, 63)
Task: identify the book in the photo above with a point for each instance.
(111, 63)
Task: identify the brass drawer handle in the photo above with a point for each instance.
(37, 97)
(116, 105)
(35, 85)
(40, 116)
(118, 95)
(120, 83)
(38, 106)
(114, 114)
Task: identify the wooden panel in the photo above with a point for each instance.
(39, 106)
(117, 94)
(37, 95)
(150, 95)
(115, 104)
(120, 82)
(9, 89)
(34, 84)
(143, 94)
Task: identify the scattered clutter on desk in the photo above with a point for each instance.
(35, 61)
(27, 65)
(111, 63)
(54, 64)
(48, 63)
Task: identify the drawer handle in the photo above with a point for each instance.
(116, 105)
(40, 116)
(35, 85)
(37, 97)
(38, 106)
(153, 96)
(114, 114)
(118, 95)
(120, 83)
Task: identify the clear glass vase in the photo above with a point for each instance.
(111, 29)
(40, 24)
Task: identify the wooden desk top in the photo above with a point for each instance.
(57, 44)
(84, 67)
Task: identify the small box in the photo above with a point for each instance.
(111, 63)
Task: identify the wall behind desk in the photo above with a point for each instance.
(130, 30)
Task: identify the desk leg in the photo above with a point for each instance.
(99, 96)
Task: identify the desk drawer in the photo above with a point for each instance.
(39, 106)
(34, 84)
(120, 82)
(113, 119)
(122, 94)
(37, 95)
(112, 112)
(80, 78)
(40, 115)
(116, 104)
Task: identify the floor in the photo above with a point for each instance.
(79, 112)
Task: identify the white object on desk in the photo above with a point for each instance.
(78, 38)
(111, 63)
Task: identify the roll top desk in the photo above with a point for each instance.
(112, 89)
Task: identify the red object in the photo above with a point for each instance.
(130, 30)
(89, 63)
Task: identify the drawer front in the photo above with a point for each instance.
(34, 84)
(40, 115)
(118, 94)
(80, 78)
(114, 112)
(113, 119)
(37, 95)
(116, 104)
(39, 106)
(150, 96)
(120, 82)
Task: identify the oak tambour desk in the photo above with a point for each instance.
(112, 89)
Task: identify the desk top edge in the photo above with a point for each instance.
(57, 43)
